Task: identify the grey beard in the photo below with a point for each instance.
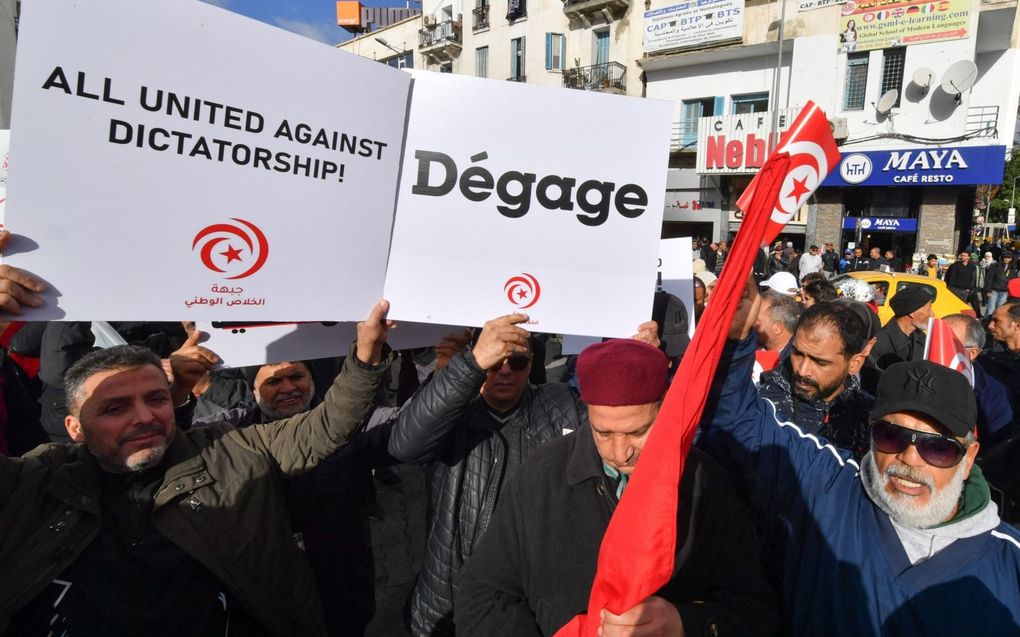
(902, 509)
(272, 414)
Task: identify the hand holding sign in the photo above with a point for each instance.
(17, 287)
(188, 364)
(372, 333)
(499, 339)
(450, 345)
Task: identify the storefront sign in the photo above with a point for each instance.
(924, 166)
(693, 24)
(880, 24)
(872, 224)
(808, 5)
(738, 144)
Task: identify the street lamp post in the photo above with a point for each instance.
(1011, 215)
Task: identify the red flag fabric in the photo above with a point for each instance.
(637, 554)
(944, 348)
(813, 153)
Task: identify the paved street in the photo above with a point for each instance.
(398, 541)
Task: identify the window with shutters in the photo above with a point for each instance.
(555, 51)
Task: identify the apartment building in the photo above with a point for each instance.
(922, 96)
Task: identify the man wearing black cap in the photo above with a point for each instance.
(905, 543)
(532, 571)
(902, 339)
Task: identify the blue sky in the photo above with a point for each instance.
(314, 19)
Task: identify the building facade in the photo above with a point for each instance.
(922, 97)
(923, 115)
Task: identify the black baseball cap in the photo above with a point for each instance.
(930, 389)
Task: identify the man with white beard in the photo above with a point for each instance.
(906, 543)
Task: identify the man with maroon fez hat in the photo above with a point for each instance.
(532, 571)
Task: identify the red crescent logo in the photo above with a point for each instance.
(522, 290)
(808, 166)
(225, 235)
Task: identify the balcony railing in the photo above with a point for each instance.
(517, 78)
(982, 121)
(481, 17)
(611, 75)
(447, 31)
(685, 135)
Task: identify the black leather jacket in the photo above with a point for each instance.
(466, 446)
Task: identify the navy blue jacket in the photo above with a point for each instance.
(846, 572)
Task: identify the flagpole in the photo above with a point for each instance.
(927, 338)
(774, 124)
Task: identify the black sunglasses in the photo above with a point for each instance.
(517, 362)
(935, 449)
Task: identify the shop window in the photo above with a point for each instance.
(892, 72)
(856, 81)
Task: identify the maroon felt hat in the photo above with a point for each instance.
(622, 372)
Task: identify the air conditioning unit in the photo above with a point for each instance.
(430, 20)
(839, 128)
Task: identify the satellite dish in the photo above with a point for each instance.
(887, 101)
(959, 77)
(923, 76)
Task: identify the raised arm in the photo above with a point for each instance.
(771, 458)
(425, 423)
(300, 442)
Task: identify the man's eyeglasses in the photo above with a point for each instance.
(517, 362)
(935, 449)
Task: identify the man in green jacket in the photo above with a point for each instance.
(139, 528)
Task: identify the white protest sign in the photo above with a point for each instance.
(5, 142)
(530, 205)
(573, 344)
(240, 343)
(176, 160)
(676, 273)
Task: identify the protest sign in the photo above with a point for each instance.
(526, 208)
(676, 273)
(176, 160)
(5, 140)
(240, 343)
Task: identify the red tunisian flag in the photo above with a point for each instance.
(944, 348)
(638, 549)
(813, 154)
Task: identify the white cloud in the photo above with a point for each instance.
(224, 4)
(321, 31)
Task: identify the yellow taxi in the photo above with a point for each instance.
(887, 284)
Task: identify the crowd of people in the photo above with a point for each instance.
(840, 484)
